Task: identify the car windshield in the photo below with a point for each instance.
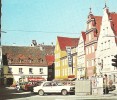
(38, 83)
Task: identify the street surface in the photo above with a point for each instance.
(9, 93)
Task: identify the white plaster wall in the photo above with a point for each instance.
(108, 50)
(16, 75)
(80, 56)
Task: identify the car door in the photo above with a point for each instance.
(56, 88)
(47, 87)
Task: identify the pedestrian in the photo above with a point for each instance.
(17, 86)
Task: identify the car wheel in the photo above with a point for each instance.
(41, 92)
(64, 92)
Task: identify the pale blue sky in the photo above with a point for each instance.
(44, 20)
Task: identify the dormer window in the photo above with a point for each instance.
(10, 60)
(30, 60)
(20, 60)
(40, 60)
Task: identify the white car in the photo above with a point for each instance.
(53, 87)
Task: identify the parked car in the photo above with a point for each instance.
(24, 85)
(53, 87)
(30, 87)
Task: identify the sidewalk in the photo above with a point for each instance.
(113, 92)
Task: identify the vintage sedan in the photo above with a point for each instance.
(53, 87)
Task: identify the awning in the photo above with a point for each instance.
(36, 79)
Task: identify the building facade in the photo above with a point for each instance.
(107, 45)
(21, 62)
(92, 33)
(81, 68)
(62, 68)
(51, 67)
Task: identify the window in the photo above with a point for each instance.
(47, 84)
(41, 70)
(30, 71)
(9, 70)
(40, 60)
(20, 71)
(10, 60)
(30, 60)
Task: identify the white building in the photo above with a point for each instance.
(107, 45)
(21, 63)
(81, 56)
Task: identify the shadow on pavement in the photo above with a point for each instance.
(12, 93)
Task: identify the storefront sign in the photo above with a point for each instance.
(69, 56)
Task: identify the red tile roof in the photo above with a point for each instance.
(98, 20)
(50, 59)
(24, 53)
(113, 17)
(65, 41)
(83, 35)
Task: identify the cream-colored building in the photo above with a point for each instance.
(81, 68)
(22, 62)
(107, 45)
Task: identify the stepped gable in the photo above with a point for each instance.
(96, 23)
(24, 55)
(50, 59)
(65, 41)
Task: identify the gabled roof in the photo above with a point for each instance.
(83, 35)
(50, 59)
(113, 18)
(32, 56)
(65, 41)
(98, 20)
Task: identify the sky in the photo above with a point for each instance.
(44, 20)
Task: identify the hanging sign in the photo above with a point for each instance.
(69, 56)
